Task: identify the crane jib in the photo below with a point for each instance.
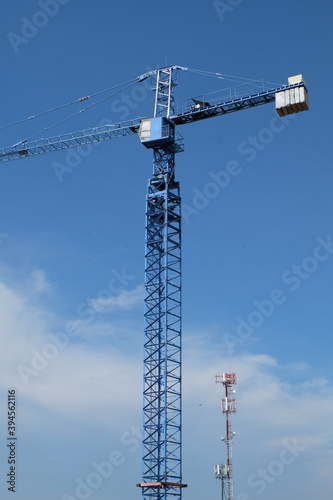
(290, 98)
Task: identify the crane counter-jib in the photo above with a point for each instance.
(288, 99)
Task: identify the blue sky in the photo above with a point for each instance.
(257, 252)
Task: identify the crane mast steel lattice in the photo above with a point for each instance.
(162, 472)
(162, 427)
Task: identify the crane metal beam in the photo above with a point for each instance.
(188, 114)
(196, 112)
(71, 140)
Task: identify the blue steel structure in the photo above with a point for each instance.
(162, 427)
(162, 464)
(24, 149)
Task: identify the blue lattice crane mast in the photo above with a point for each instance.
(162, 474)
(162, 427)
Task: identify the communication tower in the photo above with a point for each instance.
(228, 404)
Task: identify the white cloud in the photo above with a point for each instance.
(116, 330)
(298, 366)
(76, 378)
(99, 384)
(39, 282)
(317, 384)
(124, 300)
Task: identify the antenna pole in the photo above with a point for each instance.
(228, 407)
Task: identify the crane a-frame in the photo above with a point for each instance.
(162, 426)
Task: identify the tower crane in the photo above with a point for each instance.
(162, 394)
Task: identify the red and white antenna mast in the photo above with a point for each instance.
(228, 407)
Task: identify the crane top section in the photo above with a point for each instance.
(289, 99)
(159, 131)
(143, 77)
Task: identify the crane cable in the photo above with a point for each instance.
(222, 76)
(77, 113)
(67, 104)
(232, 78)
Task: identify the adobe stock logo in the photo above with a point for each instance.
(291, 280)
(58, 342)
(264, 476)
(30, 27)
(223, 8)
(104, 470)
